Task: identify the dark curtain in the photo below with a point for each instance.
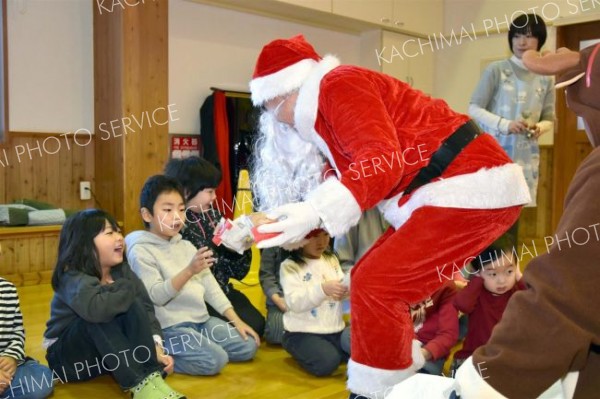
(227, 130)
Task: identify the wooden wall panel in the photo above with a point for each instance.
(53, 190)
(536, 222)
(108, 64)
(28, 253)
(571, 145)
(52, 178)
(130, 81)
(36, 254)
(3, 170)
(7, 259)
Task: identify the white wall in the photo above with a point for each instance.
(50, 65)
(500, 12)
(210, 46)
(50, 46)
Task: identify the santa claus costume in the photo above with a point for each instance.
(378, 135)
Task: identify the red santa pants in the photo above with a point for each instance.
(407, 265)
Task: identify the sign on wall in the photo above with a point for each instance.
(184, 146)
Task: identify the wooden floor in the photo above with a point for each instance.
(272, 374)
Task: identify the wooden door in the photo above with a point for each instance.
(571, 144)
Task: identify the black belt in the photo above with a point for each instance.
(444, 156)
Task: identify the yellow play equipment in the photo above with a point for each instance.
(244, 206)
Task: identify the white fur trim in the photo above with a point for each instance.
(375, 383)
(336, 206)
(499, 187)
(417, 355)
(569, 383)
(423, 386)
(372, 382)
(569, 82)
(281, 82)
(471, 382)
(307, 104)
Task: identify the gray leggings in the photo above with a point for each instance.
(274, 325)
(318, 354)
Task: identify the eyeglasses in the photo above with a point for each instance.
(275, 110)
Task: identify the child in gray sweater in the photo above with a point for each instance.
(179, 281)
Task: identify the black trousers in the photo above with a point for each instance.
(319, 354)
(123, 347)
(243, 307)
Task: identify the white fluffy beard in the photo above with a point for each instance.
(285, 167)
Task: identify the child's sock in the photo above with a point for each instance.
(160, 383)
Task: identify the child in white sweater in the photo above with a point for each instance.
(315, 333)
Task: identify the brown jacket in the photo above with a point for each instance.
(553, 327)
(547, 330)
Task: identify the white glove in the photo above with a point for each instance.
(295, 221)
(417, 355)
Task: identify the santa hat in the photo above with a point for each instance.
(282, 67)
(314, 233)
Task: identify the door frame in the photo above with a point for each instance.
(571, 145)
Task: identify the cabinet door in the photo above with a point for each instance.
(393, 50)
(420, 16)
(375, 11)
(421, 68)
(321, 5)
(408, 60)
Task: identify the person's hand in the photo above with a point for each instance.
(260, 218)
(202, 260)
(294, 222)
(517, 127)
(165, 360)
(8, 364)
(535, 131)
(245, 330)
(426, 354)
(279, 301)
(334, 289)
(5, 380)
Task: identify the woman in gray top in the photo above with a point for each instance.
(515, 105)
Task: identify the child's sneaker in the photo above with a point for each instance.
(146, 390)
(160, 383)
